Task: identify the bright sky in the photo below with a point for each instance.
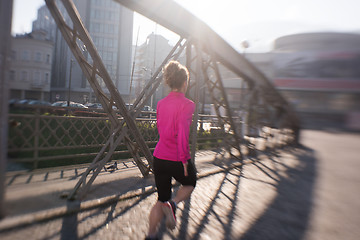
(257, 21)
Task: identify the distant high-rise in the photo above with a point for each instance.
(149, 57)
(111, 27)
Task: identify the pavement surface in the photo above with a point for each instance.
(309, 192)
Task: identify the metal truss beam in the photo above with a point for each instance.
(224, 102)
(177, 19)
(156, 79)
(77, 37)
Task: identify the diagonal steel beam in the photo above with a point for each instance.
(155, 80)
(177, 19)
(196, 98)
(73, 36)
(237, 136)
(222, 101)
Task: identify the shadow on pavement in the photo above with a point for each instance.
(232, 178)
(69, 227)
(288, 215)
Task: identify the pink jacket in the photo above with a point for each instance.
(174, 116)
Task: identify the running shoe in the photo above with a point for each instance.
(169, 209)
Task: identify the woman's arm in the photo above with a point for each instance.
(184, 123)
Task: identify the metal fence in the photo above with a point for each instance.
(51, 136)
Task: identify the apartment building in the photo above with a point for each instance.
(111, 28)
(30, 67)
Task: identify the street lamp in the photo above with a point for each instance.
(152, 97)
(244, 113)
(245, 44)
(71, 63)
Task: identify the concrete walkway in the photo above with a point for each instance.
(309, 192)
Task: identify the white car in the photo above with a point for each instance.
(65, 104)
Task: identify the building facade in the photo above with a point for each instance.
(111, 27)
(149, 56)
(30, 68)
(319, 74)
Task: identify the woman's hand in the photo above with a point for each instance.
(185, 169)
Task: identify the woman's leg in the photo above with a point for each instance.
(163, 185)
(188, 182)
(155, 218)
(183, 193)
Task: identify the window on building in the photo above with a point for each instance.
(97, 14)
(37, 79)
(108, 15)
(98, 2)
(110, 28)
(109, 68)
(96, 27)
(24, 76)
(96, 41)
(46, 78)
(117, 16)
(13, 55)
(12, 75)
(25, 55)
(48, 58)
(102, 28)
(38, 57)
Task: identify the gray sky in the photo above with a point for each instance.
(257, 21)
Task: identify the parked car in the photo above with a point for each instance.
(18, 101)
(94, 105)
(39, 102)
(147, 108)
(23, 101)
(147, 111)
(13, 101)
(65, 104)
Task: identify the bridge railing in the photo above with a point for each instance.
(52, 136)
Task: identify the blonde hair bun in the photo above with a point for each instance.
(175, 74)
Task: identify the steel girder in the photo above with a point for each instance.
(200, 41)
(92, 66)
(177, 19)
(204, 66)
(78, 38)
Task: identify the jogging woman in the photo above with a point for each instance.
(171, 154)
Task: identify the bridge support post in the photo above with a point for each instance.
(5, 43)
